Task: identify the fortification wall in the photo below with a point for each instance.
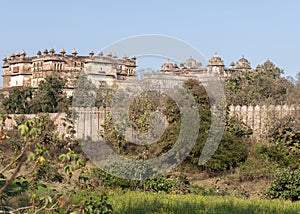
(260, 117)
(89, 120)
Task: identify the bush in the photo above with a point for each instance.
(159, 184)
(231, 152)
(286, 185)
(177, 184)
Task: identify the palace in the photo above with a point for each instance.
(22, 70)
(215, 65)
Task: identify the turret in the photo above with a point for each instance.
(215, 65)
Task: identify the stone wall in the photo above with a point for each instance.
(89, 120)
(259, 117)
(56, 117)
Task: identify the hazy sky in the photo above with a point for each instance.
(260, 30)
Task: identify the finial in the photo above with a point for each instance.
(74, 52)
(52, 51)
(23, 53)
(100, 53)
(91, 53)
(63, 51)
(109, 54)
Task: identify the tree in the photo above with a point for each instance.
(49, 96)
(19, 100)
(294, 95)
(261, 86)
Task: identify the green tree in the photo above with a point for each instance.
(261, 86)
(19, 100)
(50, 96)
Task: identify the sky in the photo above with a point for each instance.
(257, 29)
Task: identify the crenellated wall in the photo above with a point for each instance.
(89, 120)
(259, 117)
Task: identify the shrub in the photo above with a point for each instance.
(286, 185)
(159, 184)
(231, 152)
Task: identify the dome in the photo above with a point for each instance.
(100, 53)
(115, 56)
(18, 54)
(39, 53)
(243, 63)
(23, 53)
(216, 60)
(52, 51)
(109, 54)
(258, 67)
(4, 59)
(45, 52)
(167, 66)
(191, 63)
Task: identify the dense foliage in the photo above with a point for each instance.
(286, 185)
(262, 86)
(47, 98)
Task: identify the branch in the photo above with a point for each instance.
(22, 160)
(21, 208)
(11, 163)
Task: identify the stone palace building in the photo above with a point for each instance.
(22, 70)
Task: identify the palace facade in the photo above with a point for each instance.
(22, 70)
(215, 65)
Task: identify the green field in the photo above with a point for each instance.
(160, 203)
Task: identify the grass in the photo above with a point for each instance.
(160, 203)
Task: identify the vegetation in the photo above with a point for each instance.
(143, 202)
(286, 185)
(262, 86)
(44, 171)
(48, 98)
